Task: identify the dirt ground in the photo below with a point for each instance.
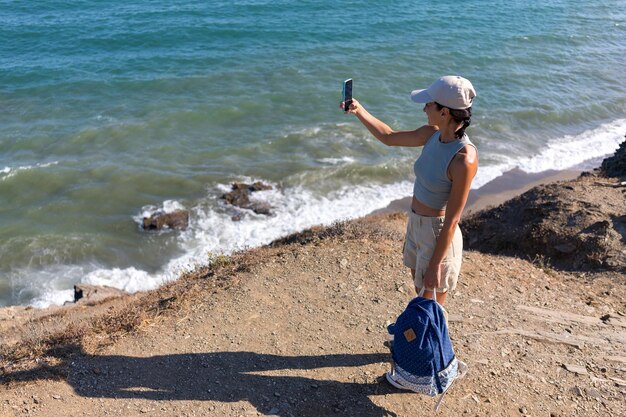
(297, 329)
(301, 334)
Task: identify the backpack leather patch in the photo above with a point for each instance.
(409, 334)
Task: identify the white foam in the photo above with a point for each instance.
(53, 297)
(53, 290)
(337, 161)
(53, 284)
(560, 154)
(10, 172)
(212, 231)
(306, 132)
(128, 279)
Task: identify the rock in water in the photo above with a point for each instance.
(178, 219)
(259, 186)
(240, 197)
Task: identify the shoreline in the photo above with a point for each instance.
(508, 185)
(505, 187)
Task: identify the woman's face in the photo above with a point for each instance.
(433, 113)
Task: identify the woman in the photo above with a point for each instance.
(444, 173)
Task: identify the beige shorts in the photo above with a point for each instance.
(419, 244)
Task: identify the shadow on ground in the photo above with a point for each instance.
(228, 377)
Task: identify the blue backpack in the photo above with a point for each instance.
(423, 358)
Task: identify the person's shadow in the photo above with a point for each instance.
(230, 377)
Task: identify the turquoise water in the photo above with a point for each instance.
(111, 108)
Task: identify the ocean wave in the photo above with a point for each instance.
(338, 161)
(562, 153)
(213, 231)
(8, 172)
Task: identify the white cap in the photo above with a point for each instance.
(450, 91)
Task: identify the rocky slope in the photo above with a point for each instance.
(573, 225)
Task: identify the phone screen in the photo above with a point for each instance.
(347, 93)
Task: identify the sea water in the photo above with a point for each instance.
(110, 109)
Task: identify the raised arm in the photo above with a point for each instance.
(387, 135)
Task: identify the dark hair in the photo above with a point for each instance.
(460, 116)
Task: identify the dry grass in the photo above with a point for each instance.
(348, 230)
(57, 337)
(44, 343)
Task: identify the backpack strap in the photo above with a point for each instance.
(442, 395)
(421, 293)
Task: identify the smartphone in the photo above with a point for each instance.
(346, 97)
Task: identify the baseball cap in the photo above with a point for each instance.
(450, 91)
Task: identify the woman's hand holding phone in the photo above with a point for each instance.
(354, 106)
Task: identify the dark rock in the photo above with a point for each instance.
(93, 294)
(178, 219)
(240, 197)
(564, 225)
(565, 248)
(261, 208)
(259, 186)
(615, 166)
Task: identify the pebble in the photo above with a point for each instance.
(56, 396)
(577, 369)
(593, 392)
